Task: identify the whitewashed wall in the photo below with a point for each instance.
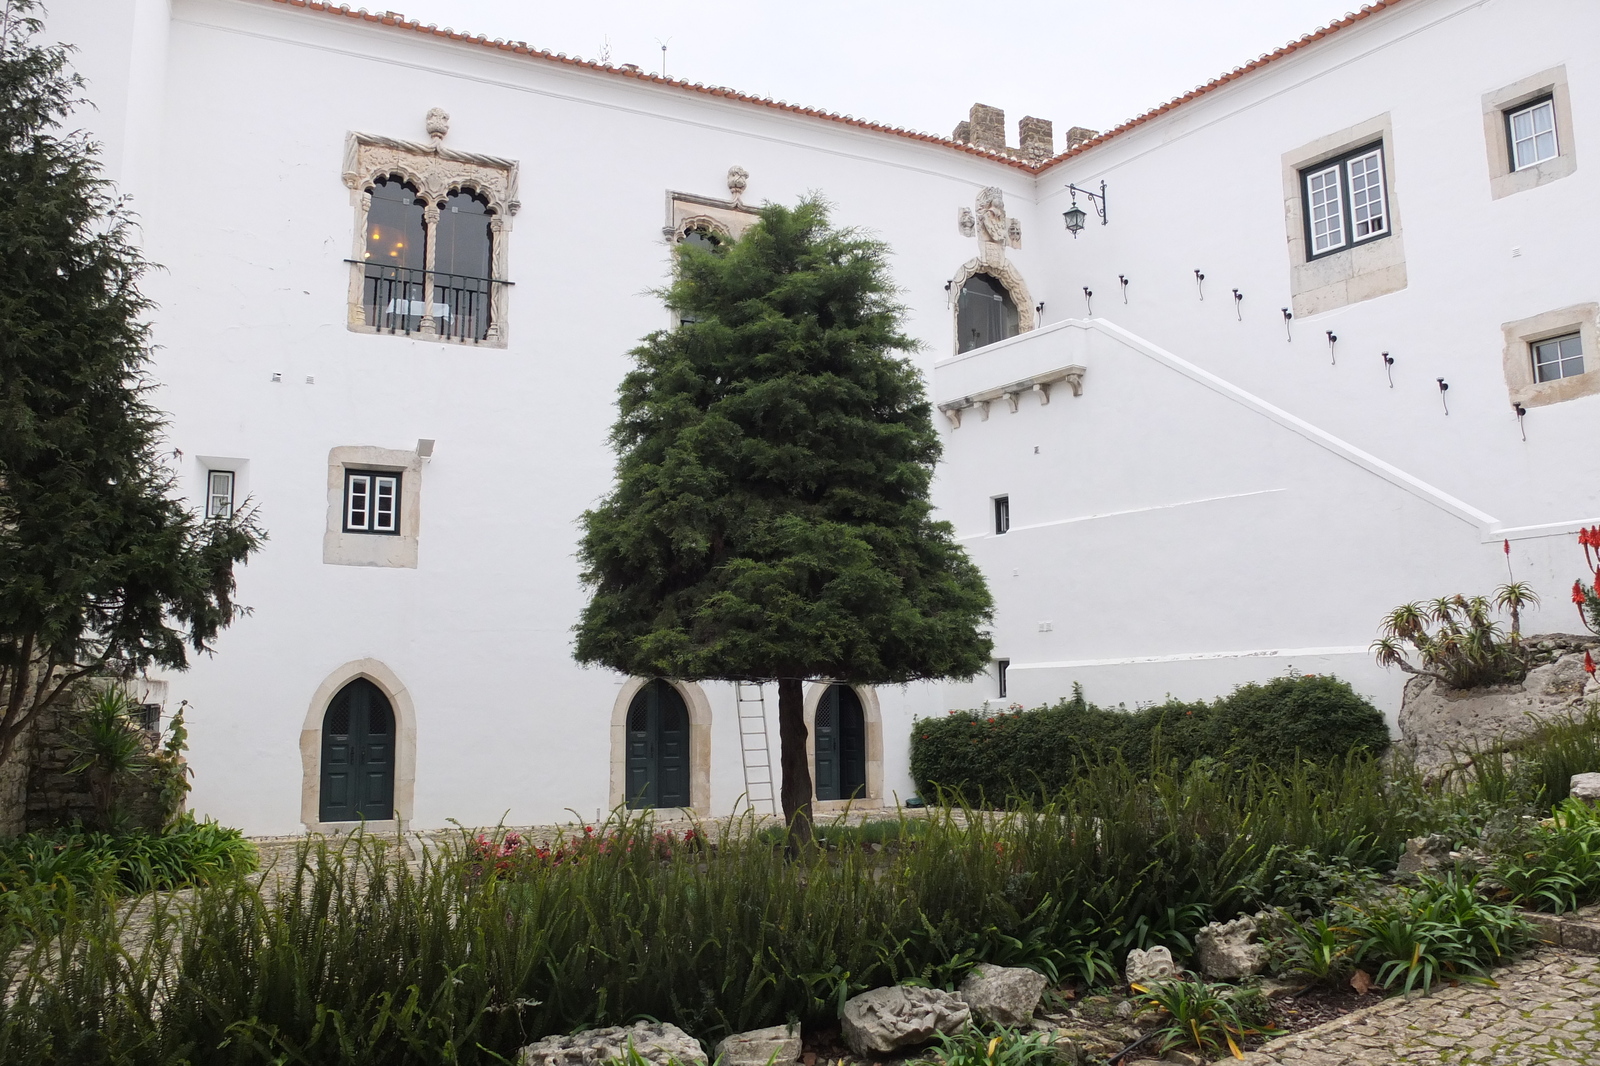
(227, 120)
(1327, 547)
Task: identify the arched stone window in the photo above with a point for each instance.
(985, 313)
(432, 226)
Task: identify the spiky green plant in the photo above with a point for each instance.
(1456, 640)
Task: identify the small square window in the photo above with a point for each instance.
(219, 494)
(1002, 514)
(1002, 667)
(1345, 201)
(372, 502)
(1558, 357)
(1532, 133)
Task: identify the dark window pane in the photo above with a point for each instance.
(985, 313)
(395, 255)
(461, 267)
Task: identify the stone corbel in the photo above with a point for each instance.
(1012, 393)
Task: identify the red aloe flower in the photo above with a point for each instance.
(1577, 593)
(1588, 663)
(1506, 544)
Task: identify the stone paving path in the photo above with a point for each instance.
(1545, 1012)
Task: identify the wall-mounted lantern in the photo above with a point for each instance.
(1075, 215)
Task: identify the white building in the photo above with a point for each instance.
(1233, 493)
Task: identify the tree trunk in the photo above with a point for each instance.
(797, 787)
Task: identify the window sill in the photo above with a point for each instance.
(1582, 319)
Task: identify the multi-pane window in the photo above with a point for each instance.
(1345, 201)
(1002, 514)
(371, 502)
(1558, 357)
(1532, 132)
(219, 493)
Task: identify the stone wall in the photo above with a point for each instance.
(58, 798)
(1437, 721)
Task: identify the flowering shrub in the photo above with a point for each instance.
(511, 853)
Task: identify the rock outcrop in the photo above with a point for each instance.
(1224, 952)
(1148, 967)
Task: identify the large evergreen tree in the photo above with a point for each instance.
(102, 570)
(770, 520)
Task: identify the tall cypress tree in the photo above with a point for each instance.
(770, 520)
(103, 571)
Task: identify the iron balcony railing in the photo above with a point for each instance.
(395, 301)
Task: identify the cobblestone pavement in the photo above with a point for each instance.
(1545, 1012)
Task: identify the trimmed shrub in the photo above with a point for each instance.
(1036, 753)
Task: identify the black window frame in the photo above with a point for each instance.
(1002, 667)
(211, 495)
(1511, 136)
(1002, 514)
(1346, 211)
(351, 473)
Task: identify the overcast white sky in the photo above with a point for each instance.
(917, 64)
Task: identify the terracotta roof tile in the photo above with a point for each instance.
(400, 22)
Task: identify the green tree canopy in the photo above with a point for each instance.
(771, 518)
(102, 569)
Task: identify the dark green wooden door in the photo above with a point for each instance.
(658, 748)
(840, 745)
(358, 755)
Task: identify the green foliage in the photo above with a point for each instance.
(42, 873)
(771, 515)
(1006, 1047)
(1535, 770)
(1442, 930)
(1033, 754)
(1555, 865)
(1212, 1018)
(1456, 640)
(102, 568)
(1319, 950)
(109, 748)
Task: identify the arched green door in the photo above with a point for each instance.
(358, 755)
(658, 748)
(841, 745)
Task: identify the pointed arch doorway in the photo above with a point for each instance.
(358, 756)
(840, 745)
(658, 748)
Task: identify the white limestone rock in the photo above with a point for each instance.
(1437, 721)
(1586, 787)
(1003, 995)
(777, 1045)
(657, 1043)
(902, 1016)
(1224, 952)
(1150, 967)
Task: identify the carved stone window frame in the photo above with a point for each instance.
(1000, 269)
(437, 172)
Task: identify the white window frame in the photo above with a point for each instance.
(1561, 357)
(219, 493)
(1546, 107)
(372, 502)
(1362, 203)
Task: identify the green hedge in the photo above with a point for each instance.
(1036, 753)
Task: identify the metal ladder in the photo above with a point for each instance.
(760, 789)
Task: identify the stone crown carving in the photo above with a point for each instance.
(435, 170)
(1012, 393)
